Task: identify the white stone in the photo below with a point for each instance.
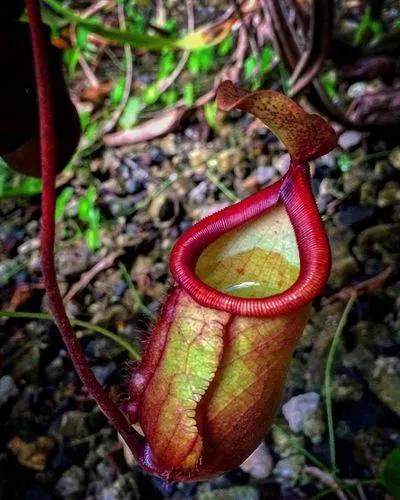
(349, 139)
(298, 408)
(259, 464)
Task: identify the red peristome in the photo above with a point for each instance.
(294, 190)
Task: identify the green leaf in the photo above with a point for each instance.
(82, 37)
(201, 61)
(91, 132)
(170, 25)
(84, 118)
(210, 113)
(225, 46)
(131, 113)
(194, 63)
(71, 58)
(206, 59)
(93, 232)
(118, 91)
(167, 64)
(169, 97)
(344, 162)
(249, 66)
(391, 473)
(14, 185)
(86, 204)
(367, 25)
(62, 200)
(267, 55)
(328, 81)
(188, 94)
(151, 94)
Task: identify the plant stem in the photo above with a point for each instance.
(48, 142)
(133, 353)
(328, 380)
(300, 448)
(348, 487)
(137, 300)
(122, 36)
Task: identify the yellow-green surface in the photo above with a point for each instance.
(257, 260)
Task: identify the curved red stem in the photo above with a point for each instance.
(48, 161)
(294, 191)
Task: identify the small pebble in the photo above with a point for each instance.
(71, 482)
(8, 389)
(282, 163)
(264, 174)
(259, 464)
(349, 139)
(102, 373)
(298, 407)
(357, 89)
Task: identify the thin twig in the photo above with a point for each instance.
(347, 487)
(300, 448)
(110, 124)
(89, 73)
(319, 39)
(133, 353)
(328, 379)
(370, 285)
(221, 186)
(326, 479)
(165, 83)
(87, 277)
(136, 298)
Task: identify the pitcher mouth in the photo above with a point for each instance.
(294, 192)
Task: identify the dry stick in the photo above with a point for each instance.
(94, 82)
(317, 47)
(110, 124)
(165, 83)
(326, 479)
(288, 47)
(87, 277)
(56, 306)
(371, 285)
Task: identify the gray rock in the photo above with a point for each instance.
(259, 464)
(298, 408)
(264, 174)
(384, 381)
(282, 163)
(328, 160)
(71, 482)
(8, 389)
(289, 469)
(198, 194)
(349, 139)
(124, 488)
(102, 373)
(29, 246)
(73, 424)
(357, 89)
